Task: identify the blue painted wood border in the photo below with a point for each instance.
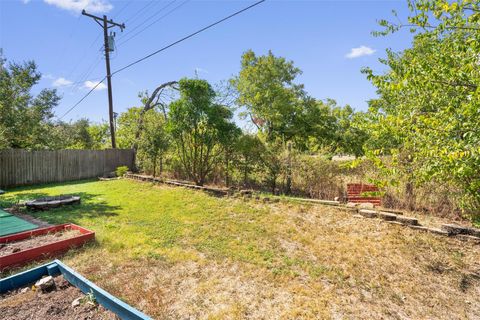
(117, 306)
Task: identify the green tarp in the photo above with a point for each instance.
(10, 224)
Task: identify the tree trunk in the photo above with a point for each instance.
(226, 168)
(154, 165)
(150, 104)
(274, 183)
(289, 170)
(161, 165)
(245, 172)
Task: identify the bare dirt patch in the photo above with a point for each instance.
(30, 304)
(35, 241)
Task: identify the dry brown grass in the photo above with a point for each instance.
(231, 259)
(326, 265)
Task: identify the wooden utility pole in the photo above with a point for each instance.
(107, 24)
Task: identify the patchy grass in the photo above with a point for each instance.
(179, 253)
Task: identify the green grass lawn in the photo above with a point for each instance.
(180, 253)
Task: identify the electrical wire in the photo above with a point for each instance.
(162, 49)
(83, 98)
(189, 36)
(141, 9)
(145, 21)
(155, 21)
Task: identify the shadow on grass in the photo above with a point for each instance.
(47, 185)
(90, 207)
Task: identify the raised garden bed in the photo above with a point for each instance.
(57, 302)
(47, 203)
(20, 248)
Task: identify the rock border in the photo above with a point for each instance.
(47, 203)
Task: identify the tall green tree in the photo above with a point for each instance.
(267, 89)
(25, 119)
(429, 99)
(249, 149)
(199, 127)
(128, 123)
(154, 140)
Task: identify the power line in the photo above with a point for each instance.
(189, 36)
(155, 21)
(150, 17)
(162, 49)
(141, 9)
(83, 98)
(132, 30)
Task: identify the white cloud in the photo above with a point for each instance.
(91, 84)
(92, 6)
(25, 1)
(61, 82)
(360, 52)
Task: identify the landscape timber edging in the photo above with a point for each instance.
(388, 215)
(56, 267)
(216, 191)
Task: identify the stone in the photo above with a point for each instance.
(16, 250)
(474, 232)
(438, 231)
(368, 213)
(61, 283)
(46, 284)
(398, 212)
(24, 290)
(454, 229)
(76, 302)
(366, 205)
(407, 220)
(244, 192)
(387, 216)
(266, 199)
(351, 205)
(336, 199)
(358, 216)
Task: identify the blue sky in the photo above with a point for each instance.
(329, 40)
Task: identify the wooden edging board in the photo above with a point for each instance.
(43, 251)
(56, 267)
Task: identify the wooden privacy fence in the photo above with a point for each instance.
(22, 167)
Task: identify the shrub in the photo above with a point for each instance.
(120, 171)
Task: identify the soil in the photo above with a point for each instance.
(35, 241)
(30, 304)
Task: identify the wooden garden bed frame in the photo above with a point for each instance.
(48, 250)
